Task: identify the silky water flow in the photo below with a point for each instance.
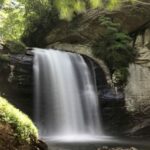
(66, 102)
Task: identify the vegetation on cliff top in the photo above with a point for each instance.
(19, 16)
(15, 47)
(30, 22)
(23, 127)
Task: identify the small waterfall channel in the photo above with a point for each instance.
(66, 102)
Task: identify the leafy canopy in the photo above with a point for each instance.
(1, 2)
(12, 21)
(17, 15)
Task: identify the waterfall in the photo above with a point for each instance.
(66, 102)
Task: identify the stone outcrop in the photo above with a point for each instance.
(9, 142)
(92, 148)
(117, 148)
(137, 90)
(16, 80)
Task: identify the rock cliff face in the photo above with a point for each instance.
(137, 90)
(16, 81)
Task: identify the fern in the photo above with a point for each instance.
(114, 47)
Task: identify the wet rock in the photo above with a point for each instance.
(117, 148)
(110, 94)
(42, 145)
(91, 148)
(22, 72)
(1, 47)
(16, 80)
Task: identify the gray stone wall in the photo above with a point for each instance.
(137, 91)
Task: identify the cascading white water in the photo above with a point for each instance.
(66, 103)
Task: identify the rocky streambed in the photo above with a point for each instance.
(94, 148)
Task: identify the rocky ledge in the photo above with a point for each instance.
(93, 148)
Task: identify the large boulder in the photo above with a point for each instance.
(16, 80)
(16, 130)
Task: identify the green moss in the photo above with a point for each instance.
(23, 127)
(16, 47)
(4, 57)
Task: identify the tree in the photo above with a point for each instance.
(1, 2)
(11, 21)
(68, 8)
(19, 16)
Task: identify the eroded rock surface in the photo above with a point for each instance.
(137, 91)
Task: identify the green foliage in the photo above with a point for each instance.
(114, 47)
(119, 76)
(4, 57)
(22, 125)
(115, 4)
(11, 21)
(19, 16)
(1, 2)
(96, 3)
(67, 8)
(15, 47)
(38, 27)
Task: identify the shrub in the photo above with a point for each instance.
(113, 47)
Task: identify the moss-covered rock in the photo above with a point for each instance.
(15, 47)
(22, 127)
(4, 57)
